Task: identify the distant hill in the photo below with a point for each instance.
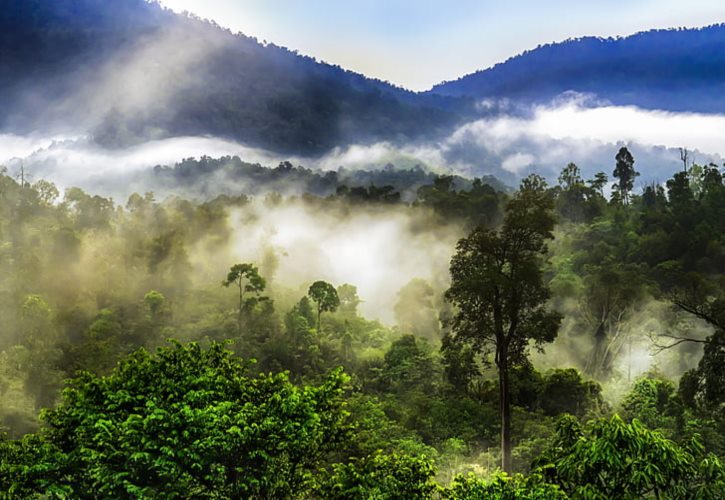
(676, 70)
(130, 70)
(208, 177)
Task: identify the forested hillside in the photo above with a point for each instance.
(206, 176)
(573, 337)
(111, 68)
(674, 70)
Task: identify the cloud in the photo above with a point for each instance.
(517, 162)
(118, 172)
(17, 146)
(508, 146)
(377, 249)
(631, 124)
(546, 138)
(569, 130)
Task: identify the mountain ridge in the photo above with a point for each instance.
(677, 69)
(54, 55)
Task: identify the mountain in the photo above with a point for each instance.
(129, 71)
(676, 70)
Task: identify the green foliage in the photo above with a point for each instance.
(480, 205)
(564, 391)
(324, 295)
(246, 277)
(575, 201)
(154, 300)
(497, 284)
(382, 476)
(326, 298)
(248, 281)
(704, 387)
(625, 174)
(654, 402)
(32, 467)
(189, 421)
(613, 459)
(502, 487)
(408, 365)
(498, 290)
(85, 282)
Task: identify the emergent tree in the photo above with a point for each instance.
(326, 298)
(247, 279)
(625, 173)
(498, 290)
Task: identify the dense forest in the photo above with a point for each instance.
(208, 177)
(573, 347)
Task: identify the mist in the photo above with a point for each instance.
(378, 250)
(509, 146)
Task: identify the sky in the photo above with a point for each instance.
(418, 43)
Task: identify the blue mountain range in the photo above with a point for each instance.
(112, 67)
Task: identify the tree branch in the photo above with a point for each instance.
(677, 341)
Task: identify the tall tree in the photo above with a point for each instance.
(498, 290)
(613, 292)
(247, 279)
(573, 193)
(349, 299)
(600, 180)
(625, 173)
(326, 298)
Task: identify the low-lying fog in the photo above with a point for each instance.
(508, 146)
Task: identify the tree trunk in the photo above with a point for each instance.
(505, 409)
(241, 304)
(596, 367)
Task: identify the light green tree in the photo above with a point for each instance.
(248, 281)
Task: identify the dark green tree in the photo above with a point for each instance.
(503, 487)
(600, 180)
(498, 290)
(155, 301)
(625, 173)
(326, 298)
(564, 391)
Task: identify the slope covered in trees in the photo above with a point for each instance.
(675, 70)
(335, 405)
(207, 177)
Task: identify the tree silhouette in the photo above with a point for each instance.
(498, 290)
(625, 173)
(247, 279)
(326, 298)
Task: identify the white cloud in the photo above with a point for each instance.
(377, 249)
(630, 124)
(507, 146)
(80, 162)
(517, 162)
